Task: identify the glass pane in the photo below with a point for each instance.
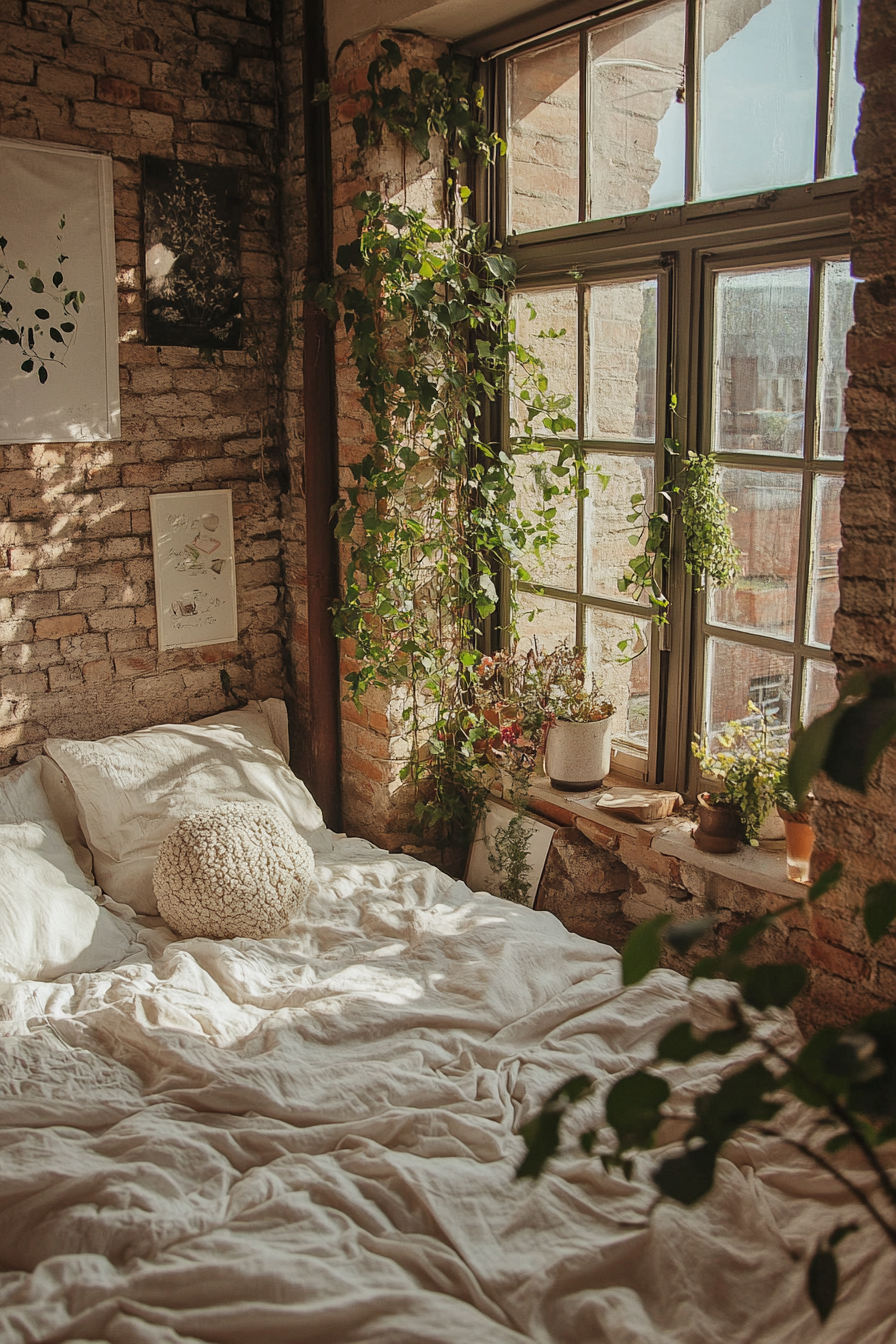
(543, 137)
(837, 291)
(537, 314)
(607, 530)
(758, 77)
(759, 363)
(627, 683)
(636, 113)
(557, 567)
(819, 690)
(766, 528)
(847, 90)
(824, 583)
(738, 673)
(551, 621)
(620, 358)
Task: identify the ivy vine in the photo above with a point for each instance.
(431, 511)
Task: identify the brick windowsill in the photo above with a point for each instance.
(764, 868)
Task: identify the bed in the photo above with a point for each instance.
(313, 1136)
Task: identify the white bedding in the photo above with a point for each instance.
(313, 1139)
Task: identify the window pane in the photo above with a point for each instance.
(626, 683)
(824, 584)
(621, 361)
(837, 291)
(759, 365)
(847, 90)
(819, 690)
(757, 78)
(557, 567)
(552, 621)
(636, 113)
(766, 528)
(607, 530)
(737, 673)
(543, 137)
(537, 313)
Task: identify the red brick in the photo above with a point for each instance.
(55, 627)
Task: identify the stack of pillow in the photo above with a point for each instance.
(103, 809)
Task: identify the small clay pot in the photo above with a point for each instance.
(720, 827)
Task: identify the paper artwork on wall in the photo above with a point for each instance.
(191, 229)
(192, 539)
(480, 875)
(58, 297)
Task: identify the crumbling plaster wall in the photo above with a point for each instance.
(193, 80)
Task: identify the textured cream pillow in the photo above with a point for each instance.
(235, 871)
(50, 925)
(131, 791)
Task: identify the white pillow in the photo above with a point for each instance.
(132, 790)
(50, 925)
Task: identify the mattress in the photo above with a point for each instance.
(314, 1137)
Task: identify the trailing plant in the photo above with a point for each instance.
(44, 323)
(751, 763)
(508, 846)
(432, 508)
(844, 1077)
(693, 489)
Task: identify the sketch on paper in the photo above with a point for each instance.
(192, 254)
(192, 534)
(480, 875)
(58, 299)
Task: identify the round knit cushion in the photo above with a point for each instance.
(235, 871)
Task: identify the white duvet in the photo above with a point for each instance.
(313, 1139)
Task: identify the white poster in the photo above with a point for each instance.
(192, 537)
(58, 298)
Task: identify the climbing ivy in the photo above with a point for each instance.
(431, 510)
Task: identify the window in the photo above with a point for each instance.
(675, 195)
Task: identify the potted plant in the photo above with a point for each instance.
(751, 765)
(550, 694)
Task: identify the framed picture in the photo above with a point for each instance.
(192, 542)
(58, 296)
(191, 235)
(480, 875)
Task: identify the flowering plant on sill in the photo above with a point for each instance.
(536, 689)
(751, 765)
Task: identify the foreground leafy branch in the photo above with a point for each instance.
(845, 1077)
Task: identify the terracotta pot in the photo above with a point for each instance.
(720, 829)
(577, 755)
(800, 842)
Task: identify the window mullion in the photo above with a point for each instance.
(691, 50)
(827, 16)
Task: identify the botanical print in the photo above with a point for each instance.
(38, 316)
(193, 554)
(191, 232)
(58, 299)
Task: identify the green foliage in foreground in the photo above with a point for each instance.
(844, 1076)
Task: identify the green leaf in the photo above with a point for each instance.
(689, 1177)
(57, 278)
(880, 909)
(633, 1108)
(741, 1099)
(641, 953)
(42, 374)
(770, 986)
(824, 881)
(56, 335)
(41, 313)
(822, 1282)
(682, 937)
(28, 365)
(37, 284)
(66, 326)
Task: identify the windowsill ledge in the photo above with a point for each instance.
(763, 868)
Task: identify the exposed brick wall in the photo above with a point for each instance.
(863, 833)
(181, 79)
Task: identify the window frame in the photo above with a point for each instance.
(686, 243)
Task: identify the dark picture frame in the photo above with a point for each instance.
(193, 278)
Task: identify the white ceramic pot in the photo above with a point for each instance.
(577, 755)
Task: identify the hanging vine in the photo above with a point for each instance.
(432, 509)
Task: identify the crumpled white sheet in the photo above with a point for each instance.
(313, 1138)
